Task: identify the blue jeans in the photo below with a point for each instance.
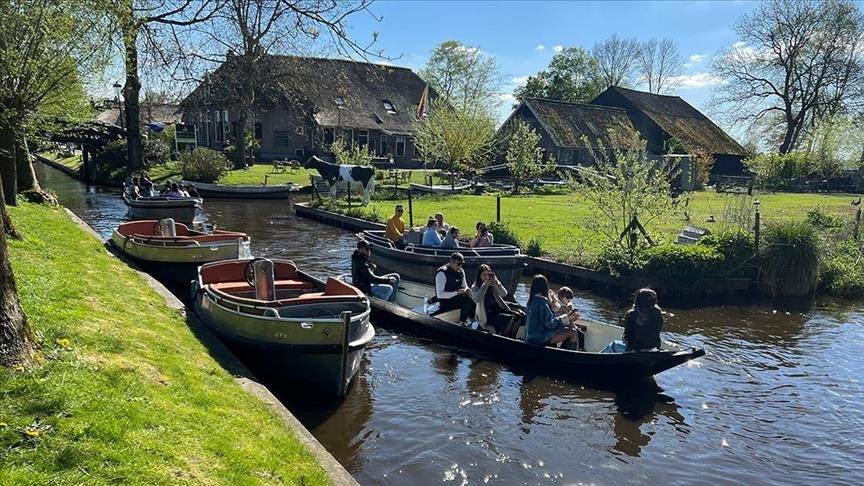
(387, 292)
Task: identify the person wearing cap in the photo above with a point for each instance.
(395, 229)
(451, 288)
(384, 287)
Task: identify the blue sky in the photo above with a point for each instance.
(514, 31)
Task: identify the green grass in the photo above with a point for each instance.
(560, 222)
(73, 162)
(124, 391)
(254, 175)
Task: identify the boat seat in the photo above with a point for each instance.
(144, 228)
(236, 287)
(235, 270)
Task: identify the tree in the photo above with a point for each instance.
(351, 153)
(454, 138)
(659, 62)
(16, 338)
(628, 185)
(469, 79)
(795, 63)
(573, 75)
(524, 156)
(616, 59)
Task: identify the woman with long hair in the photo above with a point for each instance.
(492, 312)
(542, 325)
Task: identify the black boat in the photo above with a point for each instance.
(411, 313)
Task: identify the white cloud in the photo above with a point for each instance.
(540, 47)
(695, 81)
(697, 58)
(520, 80)
(558, 48)
(507, 98)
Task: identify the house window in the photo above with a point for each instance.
(385, 149)
(225, 125)
(281, 138)
(259, 131)
(391, 109)
(362, 138)
(400, 146)
(217, 135)
(327, 136)
(299, 152)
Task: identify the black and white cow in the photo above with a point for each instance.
(335, 173)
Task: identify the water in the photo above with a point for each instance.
(777, 399)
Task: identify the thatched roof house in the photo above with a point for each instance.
(302, 103)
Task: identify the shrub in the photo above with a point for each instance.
(842, 272)
(790, 258)
(782, 171)
(156, 152)
(203, 165)
(680, 264)
(734, 249)
(504, 235)
(821, 219)
(535, 247)
(616, 260)
(111, 162)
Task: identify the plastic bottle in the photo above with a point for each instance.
(426, 305)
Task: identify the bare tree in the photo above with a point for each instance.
(617, 60)
(659, 63)
(465, 76)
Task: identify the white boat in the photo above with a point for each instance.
(182, 209)
(284, 321)
(172, 252)
(440, 189)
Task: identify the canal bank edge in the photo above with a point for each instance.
(714, 290)
(337, 473)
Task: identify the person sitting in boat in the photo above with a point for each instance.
(492, 312)
(642, 325)
(174, 191)
(442, 226)
(146, 185)
(395, 229)
(451, 241)
(543, 327)
(451, 288)
(561, 301)
(483, 237)
(430, 235)
(363, 277)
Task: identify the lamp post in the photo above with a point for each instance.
(756, 224)
(117, 88)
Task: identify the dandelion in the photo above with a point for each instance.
(32, 433)
(63, 342)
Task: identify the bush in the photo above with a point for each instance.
(203, 165)
(111, 162)
(782, 171)
(681, 265)
(735, 250)
(504, 235)
(790, 258)
(616, 260)
(842, 272)
(820, 219)
(156, 152)
(535, 248)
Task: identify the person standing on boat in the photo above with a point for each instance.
(363, 276)
(451, 241)
(451, 288)
(395, 229)
(493, 313)
(542, 326)
(431, 236)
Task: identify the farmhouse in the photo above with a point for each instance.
(303, 104)
(668, 124)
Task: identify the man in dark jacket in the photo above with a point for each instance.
(384, 287)
(451, 288)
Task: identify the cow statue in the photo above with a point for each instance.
(335, 173)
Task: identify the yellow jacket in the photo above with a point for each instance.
(395, 228)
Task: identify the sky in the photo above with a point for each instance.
(523, 36)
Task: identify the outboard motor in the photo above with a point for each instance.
(167, 227)
(265, 280)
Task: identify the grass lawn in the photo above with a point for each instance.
(561, 222)
(72, 162)
(124, 392)
(254, 175)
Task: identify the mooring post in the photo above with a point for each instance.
(349, 194)
(410, 210)
(756, 223)
(498, 208)
(857, 222)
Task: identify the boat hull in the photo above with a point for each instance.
(183, 210)
(420, 263)
(241, 192)
(440, 189)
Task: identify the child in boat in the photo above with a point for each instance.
(642, 325)
(543, 327)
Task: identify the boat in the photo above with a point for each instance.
(242, 192)
(412, 313)
(182, 209)
(441, 189)
(419, 263)
(172, 252)
(285, 321)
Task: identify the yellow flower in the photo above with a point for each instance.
(4, 424)
(63, 342)
(32, 433)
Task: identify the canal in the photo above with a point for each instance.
(778, 398)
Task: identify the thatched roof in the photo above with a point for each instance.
(334, 92)
(570, 124)
(679, 119)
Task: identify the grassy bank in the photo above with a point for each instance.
(73, 162)
(124, 392)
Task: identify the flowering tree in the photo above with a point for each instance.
(524, 156)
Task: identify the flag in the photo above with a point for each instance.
(422, 107)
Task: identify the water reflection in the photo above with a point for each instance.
(637, 406)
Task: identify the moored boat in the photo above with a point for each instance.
(412, 313)
(440, 189)
(419, 263)
(172, 252)
(284, 321)
(182, 209)
(242, 192)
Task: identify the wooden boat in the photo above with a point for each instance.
(284, 321)
(411, 313)
(172, 252)
(419, 263)
(182, 209)
(440, 189)
(242, 192)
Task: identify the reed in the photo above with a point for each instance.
(790, 259)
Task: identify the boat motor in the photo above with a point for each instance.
(265, 280)
(167, 227)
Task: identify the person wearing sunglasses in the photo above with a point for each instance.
(451, 288)
(395, 229)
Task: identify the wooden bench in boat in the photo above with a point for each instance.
(335, 291)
